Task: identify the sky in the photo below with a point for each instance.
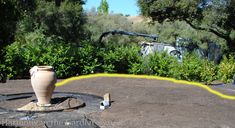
(126, 7)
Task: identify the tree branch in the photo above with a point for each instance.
(222, 35)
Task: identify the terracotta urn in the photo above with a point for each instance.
(43, 81)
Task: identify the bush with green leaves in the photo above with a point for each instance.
(226, 69)
(208, 71)
(120, 59)
(39, 49)
(159, 64)
(88, 59)
(189, 69)
(192, 68)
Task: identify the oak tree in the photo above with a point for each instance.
(214, 16)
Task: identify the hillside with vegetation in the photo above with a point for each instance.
(64, 35)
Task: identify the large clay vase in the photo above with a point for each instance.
(43, 81)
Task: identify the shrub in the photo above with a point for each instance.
(88, 59)
(194, 68)
(120, 59)
(226, 69)
(189, 69)
(158, 64)
(136, 68)
(208, 72)
(40, 50)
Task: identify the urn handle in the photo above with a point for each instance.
(33, 70)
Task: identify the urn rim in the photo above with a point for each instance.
(45, 68)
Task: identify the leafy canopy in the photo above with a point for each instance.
(214, 16)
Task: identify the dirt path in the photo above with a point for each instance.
(148, 103)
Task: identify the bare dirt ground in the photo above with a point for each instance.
(146, 103)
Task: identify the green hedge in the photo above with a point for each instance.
(40, 50)
(70, 60)
(119, 59)
(192, 68)
(67, 59)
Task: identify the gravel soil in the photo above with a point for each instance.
(146, 103)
